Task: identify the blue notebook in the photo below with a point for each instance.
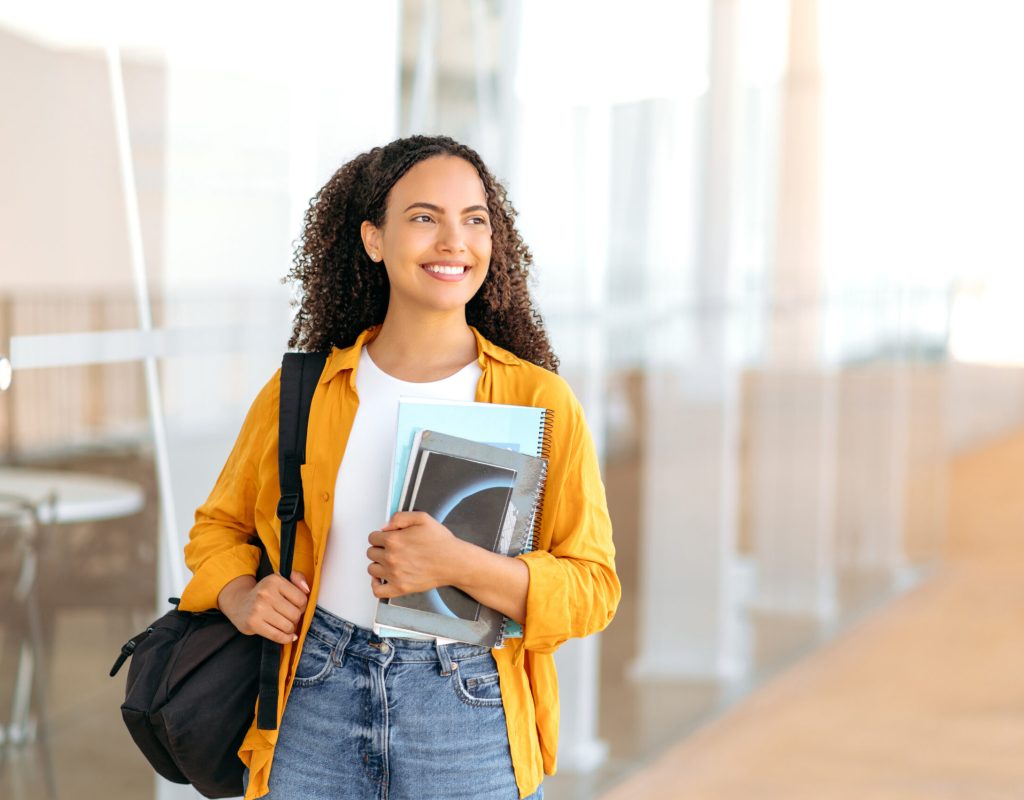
(523, 429)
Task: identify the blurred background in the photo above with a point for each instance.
(779, 251)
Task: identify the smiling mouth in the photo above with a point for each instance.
(444, 269)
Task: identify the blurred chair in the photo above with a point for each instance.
(27, 723)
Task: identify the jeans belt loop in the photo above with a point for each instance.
(445, 658)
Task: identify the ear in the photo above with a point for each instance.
(372, 239)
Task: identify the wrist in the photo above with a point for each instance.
(232, 589)
(462, 563)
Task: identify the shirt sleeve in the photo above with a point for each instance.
(574, 589)
(219, 549)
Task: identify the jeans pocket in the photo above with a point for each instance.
(476, 681)
(315, 662)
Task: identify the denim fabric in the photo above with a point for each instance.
(391, 719)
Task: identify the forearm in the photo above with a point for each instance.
(215, 571)
(497, 581)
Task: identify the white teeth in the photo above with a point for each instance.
(445, 270)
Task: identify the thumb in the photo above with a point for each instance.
(399, 520)
(300, 580)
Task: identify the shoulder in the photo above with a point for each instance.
(263, 412)
(525, 383)
(268, 399)
(520, 382)
(270, 395)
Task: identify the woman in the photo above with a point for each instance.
(414, 277)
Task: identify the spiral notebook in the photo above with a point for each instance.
(524, 433)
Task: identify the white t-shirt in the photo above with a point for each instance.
(360, 494)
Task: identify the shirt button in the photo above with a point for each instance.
(325, 496)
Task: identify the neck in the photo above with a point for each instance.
(422, 343)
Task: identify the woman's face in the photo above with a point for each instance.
(436, 239)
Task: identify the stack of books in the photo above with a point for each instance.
(479, 469)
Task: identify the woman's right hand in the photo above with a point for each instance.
(271, 608)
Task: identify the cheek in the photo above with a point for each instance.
(481, 277)
(484, 249)
(403, 244)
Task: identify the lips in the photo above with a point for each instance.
(446, 267)
(449, 272)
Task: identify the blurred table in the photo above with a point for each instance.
(55, 497)
(77, 496)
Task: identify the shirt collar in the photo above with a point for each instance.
(348, 358)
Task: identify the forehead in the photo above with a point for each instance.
(439, 179)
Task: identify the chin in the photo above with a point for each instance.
(450, 302)
(448, 307)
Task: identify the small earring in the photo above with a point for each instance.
(375, 257)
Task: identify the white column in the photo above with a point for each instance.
(423, 106)
(579, 749)
(688, 516)
(929, 449)
(871, 473)
(796, 274)
(792, 449)
(793, 400)
(688, 523)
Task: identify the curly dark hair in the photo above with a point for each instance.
(343, 292)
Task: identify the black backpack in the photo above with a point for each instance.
(194, 677)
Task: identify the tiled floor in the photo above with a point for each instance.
(94, 755)
(640, 720)
(919, 701)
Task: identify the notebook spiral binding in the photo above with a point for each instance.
(510, 628)
(544, 448)
(544, 438)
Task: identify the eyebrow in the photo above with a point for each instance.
(440, 210)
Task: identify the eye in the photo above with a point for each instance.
(478, 220)
(423, 217)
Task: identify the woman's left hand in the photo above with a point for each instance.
(412, 553)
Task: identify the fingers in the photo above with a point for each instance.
(277, 586)
(275, 609)
(403, 519)
(275, 635)
(300, 580)
(272, 608)
(382, 590)
(283, 608)
(277, 628)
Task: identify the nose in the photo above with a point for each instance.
(449, 236)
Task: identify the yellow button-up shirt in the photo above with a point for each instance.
(573, 588)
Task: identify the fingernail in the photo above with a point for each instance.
(305, 587)
(295, 637)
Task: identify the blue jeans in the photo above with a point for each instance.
(391, 719)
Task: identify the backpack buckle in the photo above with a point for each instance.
(127, 649)
(288, 506)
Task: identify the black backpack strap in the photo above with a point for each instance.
(300, 373)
